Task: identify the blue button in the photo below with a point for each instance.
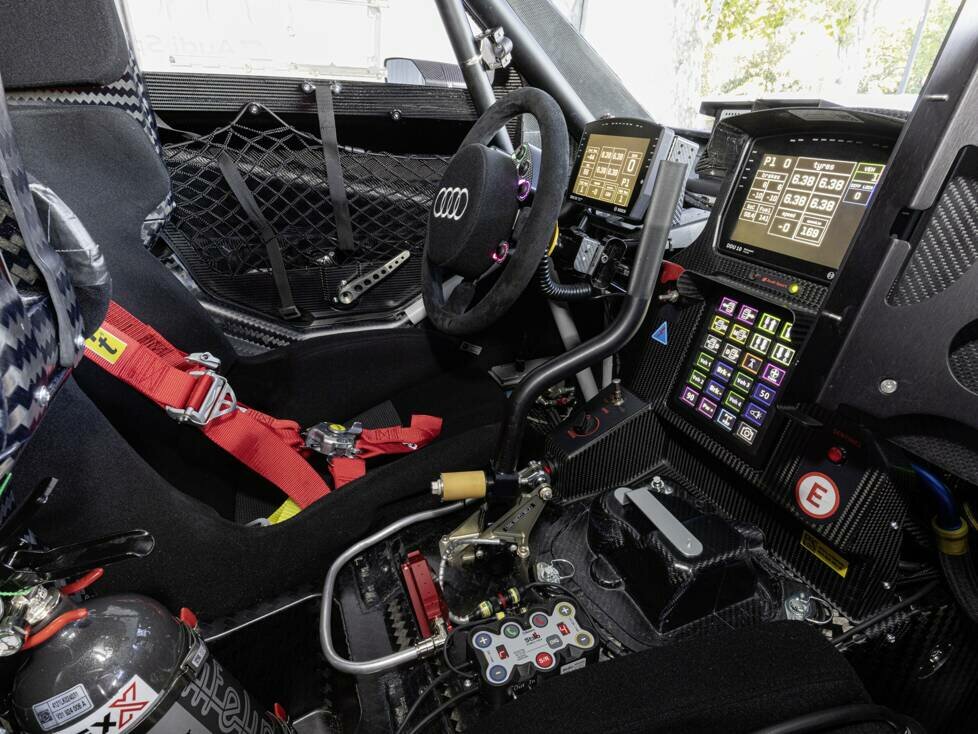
(483, 640)
(714, 390)
(755, 414)
(726, 419)
(723, 371)
(497, 674)
(764, 394)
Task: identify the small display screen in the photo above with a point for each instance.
(736, 371)
(610, 167)
(805, 208)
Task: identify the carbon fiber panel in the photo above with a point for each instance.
(865, 532)
(948, 246)
(925, 665)
(227, 93)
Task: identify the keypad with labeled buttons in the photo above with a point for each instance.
(737, 368)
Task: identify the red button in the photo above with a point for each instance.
(836, 454)
(544, 660)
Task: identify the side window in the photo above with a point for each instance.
(336, 39)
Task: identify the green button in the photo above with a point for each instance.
(786, 331)
(734, 401)
(704, 361)
(768, 323)
(743, 382)
(739, 334)
(697, 379)
(719, 325)
(512, 631)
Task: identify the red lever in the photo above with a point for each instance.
(188, 618)
(80, 584)
(54, 627)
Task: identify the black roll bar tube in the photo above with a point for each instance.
(668, 187)
(532, 61)
(456, 24)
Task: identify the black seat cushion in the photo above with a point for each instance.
(201, 560)
(735, 682)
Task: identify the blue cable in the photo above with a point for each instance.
(948, 516)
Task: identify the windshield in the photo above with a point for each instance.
(672, 54)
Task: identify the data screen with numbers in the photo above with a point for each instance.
(805, 208)
(610, 167)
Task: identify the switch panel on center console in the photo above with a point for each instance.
(735, 372)
(512, 653)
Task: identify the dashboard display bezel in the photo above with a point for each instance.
(754, 454)
(624, 127)
(866, 149)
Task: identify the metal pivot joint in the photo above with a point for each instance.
(509, 530)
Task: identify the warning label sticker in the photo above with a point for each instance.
(824, 553)
(106, 345)
(135, 699)
(59, 710)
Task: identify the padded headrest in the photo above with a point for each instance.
(61, 43)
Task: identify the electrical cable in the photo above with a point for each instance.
(450, 703)
(448, 644)
(421, 697)
(877, 618)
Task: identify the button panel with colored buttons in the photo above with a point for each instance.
(516, 649)
(736, 371)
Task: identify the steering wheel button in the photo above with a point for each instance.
(483, 640)
(544, 660)
(498, 673)
(565, 610)
(539, 620)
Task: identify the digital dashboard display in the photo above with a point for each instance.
(804, 208)
(609, 169)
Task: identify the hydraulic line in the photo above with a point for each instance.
(951, 533)
(366, 667)
(948, 517)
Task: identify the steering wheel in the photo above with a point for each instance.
(470, 225)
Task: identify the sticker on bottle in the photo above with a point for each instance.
(59, 710)
(134, 700)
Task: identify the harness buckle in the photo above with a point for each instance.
(205, 359)
(219, 400)
(334, 439)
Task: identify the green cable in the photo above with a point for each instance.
(3, 488)
(19, 592)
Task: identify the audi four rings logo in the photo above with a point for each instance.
(450, 203)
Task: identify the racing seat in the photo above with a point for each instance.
(85, 129)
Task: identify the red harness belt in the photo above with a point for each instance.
(190, 391)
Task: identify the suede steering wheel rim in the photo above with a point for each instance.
(477, 187)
